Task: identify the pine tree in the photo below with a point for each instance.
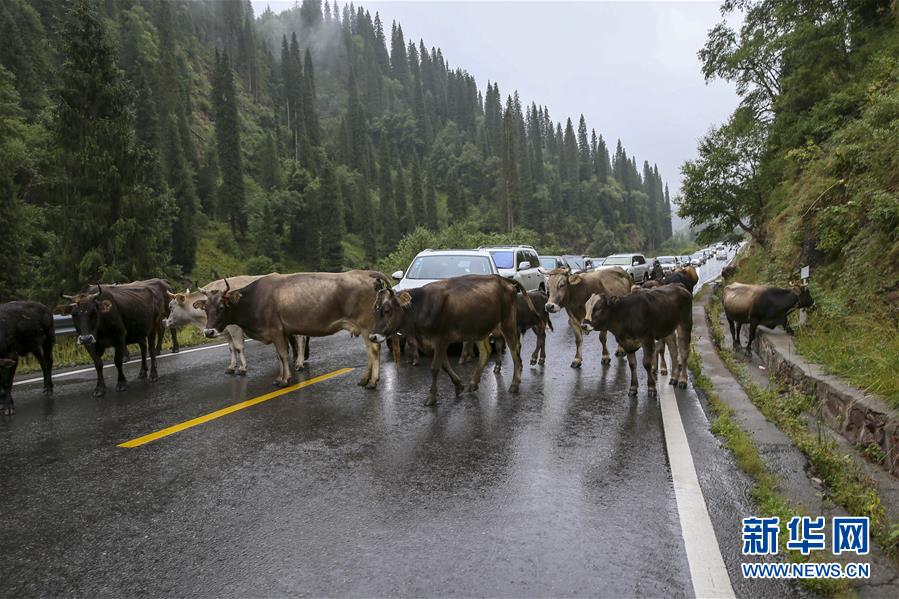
(310, 114)
(419, 216)
(510, 187)
(389, 221)
(431, 205)
(227, 133)
(331, 205)
(179, 179)
(404, 213)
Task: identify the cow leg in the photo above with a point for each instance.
(154, 352)
(648, 352)
(737, 327)
(45, 358)
(513, 341)
(578, 339)
(438, 361)
(121, 382)
(96, 355)
(483, 356)
(683, 346)
(603, 338)
(300, 342)
(734, 333)
(412, 348)
(283, 348)
(632, 364)
(175, 346)
(238, 339)
(395, 349)
(787, 328)
(232, 363)
(619, 351)
(753, 327)
(466, 353)
(7, 405)
(500, 350)
(673, 353)
(660, 354)
(373, 367)
(143, 359)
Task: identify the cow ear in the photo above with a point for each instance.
(200, 304)
(575, 279)
(233, 296)
(7, 363)
(180, 298)
(613, 301)
(105, 306)
(405, 299)
(64, 309)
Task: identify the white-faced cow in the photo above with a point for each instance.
(761, 304)
(639, 320)
(182, 312)
(25, 328)
(314, 304)
(456, 310)
(116, 316)
(571, 292)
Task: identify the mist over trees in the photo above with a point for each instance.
(142, 138)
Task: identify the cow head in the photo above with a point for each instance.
(219, 308)
(803, 295)
(560, 283)
(182, 310)
(599, 312)
(87, 310)
(390, 313)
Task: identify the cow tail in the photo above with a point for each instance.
(527, 297)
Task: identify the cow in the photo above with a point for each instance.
(460, 309)
(728, 271)
(160, 288)
(761, 304)
(686, 277)
(25, 328)
(313, 304)
(116, 316)
(639, 320)
(571, 292)
(182, 313)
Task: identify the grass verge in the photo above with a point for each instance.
(846, 483)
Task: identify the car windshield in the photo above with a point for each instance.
(503, 259)
(548, 263)
(665, 259)
(448, 266)
(575, 261)
(618, 261)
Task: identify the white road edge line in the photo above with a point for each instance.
(710, 578)
(134, 361)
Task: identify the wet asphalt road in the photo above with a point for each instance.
(563, 490)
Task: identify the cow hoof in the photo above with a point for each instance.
(619, 353)
(497, 369)
(241, 373)
(664, 372)
(533, 362)
(229, 371)
(682, 384)
(154, 377)
(100, 392)
(8, 411)
(281, 384)
(632, 392)
(606, 360)
(513, 388)
(431, 400)
(363, 382)
(48, 391)
(121, 387)
(372, 385)
(652, 393)
(142, 374)
(541, 362)
(175, 350)
(459, 389)
(575, 364)
(471, 387)
(299, 367)
(672, 382)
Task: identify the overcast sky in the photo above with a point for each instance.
(629, 67)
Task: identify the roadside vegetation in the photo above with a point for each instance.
(807, 168)
(845, 481)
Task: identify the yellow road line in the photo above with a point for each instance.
(225, 411)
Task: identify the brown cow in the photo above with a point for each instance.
(639, 320)
(314, 304)
(466, 308)
(160, 289)
(571, 292)
(761, 304)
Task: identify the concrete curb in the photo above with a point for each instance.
(861, 418)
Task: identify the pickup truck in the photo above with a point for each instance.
(635, 265)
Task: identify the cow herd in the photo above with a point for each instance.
(479, 311)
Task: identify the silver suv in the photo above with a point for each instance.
(434, 265)
(519, 263)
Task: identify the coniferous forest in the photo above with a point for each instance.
(181, 138)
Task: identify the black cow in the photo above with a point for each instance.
(761, 304)
(639, 319)
(162, 291)
(25, 328)
(114, 317)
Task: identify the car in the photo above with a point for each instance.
(636, 265)
(519, 263)
(433, 265)
(684, 260)
(721, 254)
(668, 263)
(548, 263)
(597, 262)
(697, 259)
(577, 263)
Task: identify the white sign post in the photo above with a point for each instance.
(804, 273)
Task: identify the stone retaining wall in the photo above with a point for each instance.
(862, 419)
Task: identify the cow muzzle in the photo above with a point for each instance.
(210, 333)
(167, 323)
(86, 339)
(586, 326)
(376, 338)
(551, 307)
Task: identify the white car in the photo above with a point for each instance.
(435, 265)
(519, 263)
(635, 265)
(721, 254)
(668, 263)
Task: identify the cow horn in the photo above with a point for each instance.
(227, 286)
(196, 284)
(68, 297)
